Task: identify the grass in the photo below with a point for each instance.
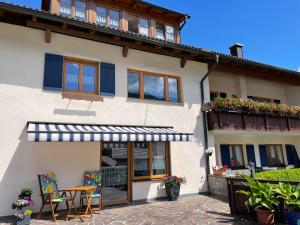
(281, 175)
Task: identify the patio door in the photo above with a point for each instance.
(115, 166)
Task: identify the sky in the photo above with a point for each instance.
(269, 29)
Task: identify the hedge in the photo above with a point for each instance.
(280, 175)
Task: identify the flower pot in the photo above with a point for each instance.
(173, 192)
(292, 217)
(25, 221)
(265, 217)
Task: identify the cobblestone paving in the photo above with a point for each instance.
(190, 210)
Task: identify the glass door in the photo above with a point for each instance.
(115, 173)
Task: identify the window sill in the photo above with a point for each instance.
(81, 96)
(154, 101)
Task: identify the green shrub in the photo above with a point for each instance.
(280, 175)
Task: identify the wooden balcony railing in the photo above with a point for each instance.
(218, 120)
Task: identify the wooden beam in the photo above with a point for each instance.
(34, 18)
(48, 36)
(183, 62)
(134, 5)
(125, 51)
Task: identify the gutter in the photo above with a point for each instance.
(205, 116)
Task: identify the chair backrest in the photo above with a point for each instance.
(93, 178)
(48, 185)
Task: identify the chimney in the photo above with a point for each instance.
(237, 50)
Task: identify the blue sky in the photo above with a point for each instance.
(269, 29)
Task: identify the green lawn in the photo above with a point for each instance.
(281, 175)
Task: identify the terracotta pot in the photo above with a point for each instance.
(265, 217)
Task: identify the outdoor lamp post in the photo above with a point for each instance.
(251, 168)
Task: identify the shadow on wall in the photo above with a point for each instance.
(67, 160)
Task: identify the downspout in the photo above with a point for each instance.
(184, 22)
(205, 116)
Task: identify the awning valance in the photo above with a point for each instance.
(66, 132)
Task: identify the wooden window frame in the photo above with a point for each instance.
(139, 21)
(107, 14)
(166, 33)
(72, 8)
(234, 149)
(278, 147)
(166, 85)
(151, 176)
(81, 62)
(164, 30)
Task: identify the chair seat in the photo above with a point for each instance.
(93, 196)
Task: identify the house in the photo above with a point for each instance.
(269, 141)
(108, 84)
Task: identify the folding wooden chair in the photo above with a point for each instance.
(50, 194)
(93, 178)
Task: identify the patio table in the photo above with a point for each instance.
(88, 193)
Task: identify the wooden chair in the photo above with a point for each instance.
(93, 178)
(50, 194)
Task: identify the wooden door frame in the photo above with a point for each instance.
(129, 184)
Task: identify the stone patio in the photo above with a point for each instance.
(189, 210)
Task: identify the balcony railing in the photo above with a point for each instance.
(248, 121)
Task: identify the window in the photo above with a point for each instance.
(214, 95)
(80, 10)
(101, 15)
(138, 25)
(80, 76)
(237, 156)
(144, 27)
(114, 18)
(264, 100)
(160, 31)
(65, 7)
(150, 160)
(170, 33)
(275, 155)
(146, 85)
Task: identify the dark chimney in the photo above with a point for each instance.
(237, 50)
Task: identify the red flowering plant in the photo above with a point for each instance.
(173, 181)
(235, 104)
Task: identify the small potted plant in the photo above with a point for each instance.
(291, 197)
(172, 185)
(261, 197)
(22, 206)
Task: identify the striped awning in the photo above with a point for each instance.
(66, 132)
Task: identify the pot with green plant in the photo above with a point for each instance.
(172, 185)
(22, 206)
(261, 197)
(291, 197)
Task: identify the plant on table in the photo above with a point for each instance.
(21, 205)
(291, 197)
(261, 197)
(172, 184)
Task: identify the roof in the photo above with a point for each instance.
(134, 40)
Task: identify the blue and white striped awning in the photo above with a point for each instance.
(66, 132)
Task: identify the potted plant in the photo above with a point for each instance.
(172, 184)
(261, 197)
(22, 206)
(291, 197)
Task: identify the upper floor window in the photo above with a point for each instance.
(80, 10)
(152, 86)
(160, 31)
(170, 33)
(138, 25)
(264, 100)
(80, 76)
(108, 17)
(214, 95)
(65, 7)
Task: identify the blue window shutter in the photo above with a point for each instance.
(290, 154)
(53, 72)
(107, 79)
(263, 155)
(225, 155)
(250, 153)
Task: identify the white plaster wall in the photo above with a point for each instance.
(22, 99)
(293, 95)
(244, 86)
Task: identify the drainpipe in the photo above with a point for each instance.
(205, 116)
(184, 22)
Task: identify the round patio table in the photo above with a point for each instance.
(87, 193)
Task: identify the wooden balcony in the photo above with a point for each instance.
(218, 120)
